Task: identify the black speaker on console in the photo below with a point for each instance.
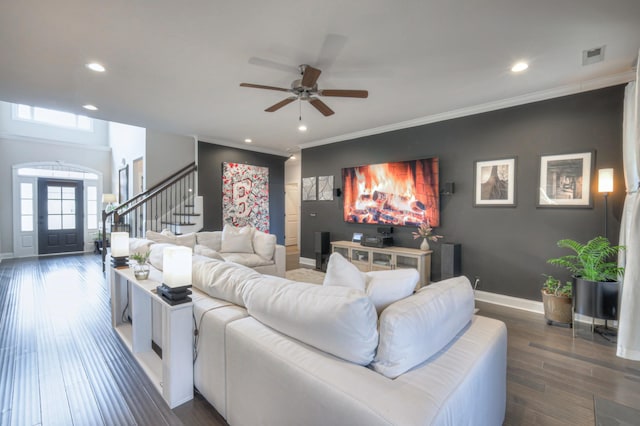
(322, 248)
(450, 260)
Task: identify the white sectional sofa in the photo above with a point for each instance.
(271, 351)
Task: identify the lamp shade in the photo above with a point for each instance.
(119, 244)
(176, 266)
(108, 198)
(605, 180)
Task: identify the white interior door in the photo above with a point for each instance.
(292, 214)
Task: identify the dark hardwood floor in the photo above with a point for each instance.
(61, 363)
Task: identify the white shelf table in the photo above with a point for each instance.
(172, 375)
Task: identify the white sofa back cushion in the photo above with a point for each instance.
(222, 280)
(211, 239)
(203, 250)
(264, 245)
(139, 245)
(237, 239)
(387, 287)
(414, 329)
(342, 273)
(167, 237)
(157, 253)
(338, 320)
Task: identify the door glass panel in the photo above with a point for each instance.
(68, 221)
(68, 193)
(26, 206)
(54, 222)
(68, 206)
(54, 193)
(54, 207)
(26, 224)
(26, 190)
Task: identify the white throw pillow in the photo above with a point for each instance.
(211, 239)
(338, 320)
(264, 245)
(342, 273)
(414, 329)
(160, 238)
(387, 287)
(223, 280)
(201, 250)
(237, 240)
(139, 245)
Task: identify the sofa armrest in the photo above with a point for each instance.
(280, 259)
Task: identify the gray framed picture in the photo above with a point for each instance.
(495, 183)
(309, 188)
(325, 188)
(565, 180)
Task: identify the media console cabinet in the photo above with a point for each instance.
(379, 259)
(171, 374)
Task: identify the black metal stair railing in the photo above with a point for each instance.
(169, 205)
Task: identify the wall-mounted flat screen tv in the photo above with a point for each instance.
(402, 193)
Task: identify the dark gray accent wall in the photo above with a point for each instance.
(506, 247)
(210, 159)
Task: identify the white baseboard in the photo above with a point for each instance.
(307, 261)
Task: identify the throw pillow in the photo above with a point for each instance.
(211, 239)
(206, 251)
(160, 238)
(387, 287)
(236, 240)
(341, 272)
(156, 255)
(416, 328)
(264, 244)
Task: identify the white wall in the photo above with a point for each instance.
(127, 144)
(166, 154)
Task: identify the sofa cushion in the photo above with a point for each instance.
(203, 250)
(166, 236)
(338, 320)
(247, 259)
(386, 287)
(237, 239)
(342, 273)
(157, 253)
(211, 239)
(139, 245)
(222, 280)
(264, 244)
(417, 327)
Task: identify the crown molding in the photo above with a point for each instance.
(571, 89)
(18, 138)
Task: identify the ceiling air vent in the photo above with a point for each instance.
(591, 56)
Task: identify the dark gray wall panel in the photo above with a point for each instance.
(210, 159)
(506, 247)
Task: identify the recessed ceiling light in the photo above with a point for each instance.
(519, 67)
(248, 140)
(90, 107)
(302, 127)
(94, 66)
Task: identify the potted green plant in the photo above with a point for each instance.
(595, 276)
(556, 299)
(141, 267)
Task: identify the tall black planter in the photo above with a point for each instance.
(595, 299)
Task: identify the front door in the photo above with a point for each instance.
(60, 218)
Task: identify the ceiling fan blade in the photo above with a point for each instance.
(280, 104)
(310, 76)
(260, 86)
(321, 106)
(345, 93)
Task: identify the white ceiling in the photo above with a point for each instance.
(176, 66)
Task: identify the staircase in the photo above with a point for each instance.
(171, 204)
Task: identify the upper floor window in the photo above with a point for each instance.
(52, 117)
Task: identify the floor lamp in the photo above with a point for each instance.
(605, 186)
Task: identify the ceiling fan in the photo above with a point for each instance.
(306, 89)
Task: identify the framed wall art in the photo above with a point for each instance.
(309, 189)
(325, 188)
(495, 183)
(565, 180)
(245, 195)
(123, 184)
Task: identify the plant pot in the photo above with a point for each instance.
(596, 299)
(556, 308)
(141, 272)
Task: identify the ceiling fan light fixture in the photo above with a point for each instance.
(302, 127)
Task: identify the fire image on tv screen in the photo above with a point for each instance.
(402, 193)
